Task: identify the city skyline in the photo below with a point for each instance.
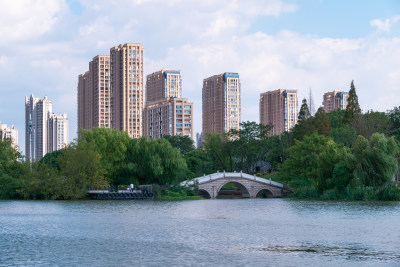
(272, 44)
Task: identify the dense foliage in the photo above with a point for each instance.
(345, 154)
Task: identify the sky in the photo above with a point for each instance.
(308, 45)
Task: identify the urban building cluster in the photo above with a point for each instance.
(44, 131)
(113, 94)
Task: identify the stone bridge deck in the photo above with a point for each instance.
(249, 185)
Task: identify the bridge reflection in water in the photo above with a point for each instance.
(247, 186)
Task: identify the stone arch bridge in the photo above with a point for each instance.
(250, 186)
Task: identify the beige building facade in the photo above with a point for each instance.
(221, 103)
(84, 102)
(127, 86)
(279, 108)
(335, 100)
(163, 84)
(10, 134)
(170, 116)
(94, 94)
(166, 112)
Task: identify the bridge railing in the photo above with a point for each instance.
(220, 175)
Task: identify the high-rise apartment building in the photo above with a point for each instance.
(171, 116)
(335, 100)
(279, 108)
(221, 103)
(127, 87)
(100, 86)
(84, 102)
(37, 112)
(39, 132)
(163, 84)
(10, 134)
(166, 112)
(58, 131)
(94, 94)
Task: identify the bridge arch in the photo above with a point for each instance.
(264, 193)
(204, 193)
(244, 191)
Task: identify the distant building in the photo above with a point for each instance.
(84, 102)
(37, 112)
(58, 131)
(279, 108)
(199, 139)
(127, 85)
(10, 134)
(94, 94)
(171, 116)
(221, 103)
(335, 100)
(163, 84)
(39, 121)
(166, 112)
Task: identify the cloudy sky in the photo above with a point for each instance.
(315, 44)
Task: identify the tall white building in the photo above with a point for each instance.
(38, 132)
(58, 131)
(37, 112)
(10, 134)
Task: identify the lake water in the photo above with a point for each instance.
(242, 232)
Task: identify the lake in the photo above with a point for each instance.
(234, 232)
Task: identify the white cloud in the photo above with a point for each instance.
(21, 20)
(200, 38)
(384, 25)
(3, 60)
(292, 61)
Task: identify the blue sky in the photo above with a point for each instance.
(309, 44)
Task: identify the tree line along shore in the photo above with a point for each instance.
(343, 154)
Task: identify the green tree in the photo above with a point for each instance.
(304, 123)
(199, 162)
(183, 143)
(77, 169)
(220, 149)
(10, 170)
(353, 110)
(304, 158)
(155, 161)
(321, 123)
(111, 145)
(341, 133)
(250, 144)
(343, 171)
(304, 113)
(375, 122)
(394, 117)
(375, 160)
(278, 145)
